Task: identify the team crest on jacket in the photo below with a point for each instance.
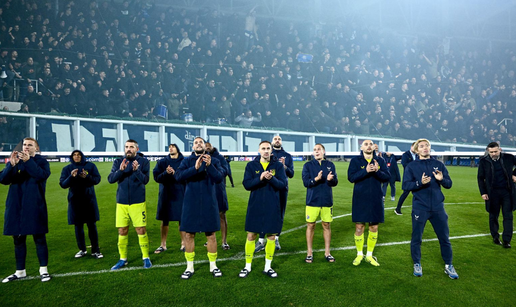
(436, 168)
(362, 167)
(273, 171)
(257, 172)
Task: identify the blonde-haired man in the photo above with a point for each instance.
(424, 178)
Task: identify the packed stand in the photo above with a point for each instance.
(137, 60)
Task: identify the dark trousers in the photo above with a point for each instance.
(403, 196)
(283, 207)
(230, 180)
(20, 250)
(500, 199)
(439, 221)
(393, 188)
(92, 234)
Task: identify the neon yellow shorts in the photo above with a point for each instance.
(313, 212)
(137, 213)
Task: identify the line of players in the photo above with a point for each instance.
(192, 191)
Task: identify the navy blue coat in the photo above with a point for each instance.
(367, 204)
(82, 201)
(289, 171)
(289, 162)
(319, 193)
(406, 158)
(427, 197)
(26, 207)
(263, 209)
(200, 207)
(171, 191)
(131, 184)
(222, 197)
(392, 165)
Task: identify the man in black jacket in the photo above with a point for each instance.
(407, 157)
(496, 177)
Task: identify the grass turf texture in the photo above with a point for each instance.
(486, 271)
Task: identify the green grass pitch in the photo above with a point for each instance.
(487, 272)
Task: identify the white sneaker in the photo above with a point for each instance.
(11, 278)
(45, 277)
(393, 198)
(418, 270)
(450, 271)
(81, 254)
(216, 273)
(98, 255)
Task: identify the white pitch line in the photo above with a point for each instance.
(389, 208)
(240, 256)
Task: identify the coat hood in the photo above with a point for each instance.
(83, 159)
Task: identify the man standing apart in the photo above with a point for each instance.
(407, 157)
(200, 207)
(132, 174)
(288, 164)
(171, 194)
(367, 172)
(424, 178)
(230, 175)
(394, 171)
(319, 177)
(81, 177)
(26, 207)
(222, 197)
(265, 178)
(495, 182)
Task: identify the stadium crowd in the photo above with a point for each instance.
(130, 59)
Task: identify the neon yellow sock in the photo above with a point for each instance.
(189, 261)
(122, 246)
(190, 256)
(359, 242)
(249, 251)
(269, 249)
(212, 257)
(144, 245)
(371, 242)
